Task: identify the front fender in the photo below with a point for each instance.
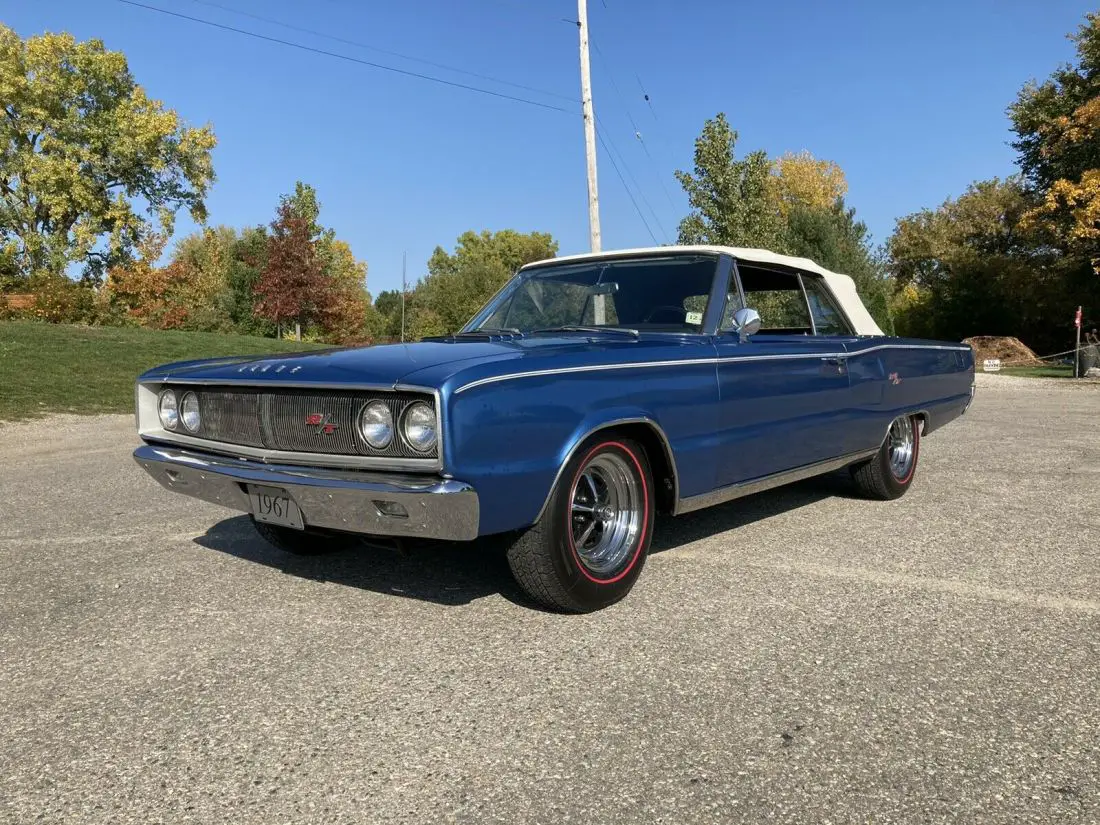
(605, 420)
(510, 440)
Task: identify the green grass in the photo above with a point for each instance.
(49, 368)
(1050, 371)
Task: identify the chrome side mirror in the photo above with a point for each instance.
(746, 322)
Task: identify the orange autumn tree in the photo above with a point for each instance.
(151, 295)
(292, 287)
(309, 276)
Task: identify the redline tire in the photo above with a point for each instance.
(590, 545)
(886, 476)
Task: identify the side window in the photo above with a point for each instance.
(778, 297)
(827, 317)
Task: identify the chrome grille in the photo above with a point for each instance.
(299, 420)
(231, 417)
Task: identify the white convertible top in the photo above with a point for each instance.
(842, 286)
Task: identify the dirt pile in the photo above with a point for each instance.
(17, 301)
(1011, 351)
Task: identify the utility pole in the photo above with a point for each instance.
(589, 128)
(403, 255)
(598, 305)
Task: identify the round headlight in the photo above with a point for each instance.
(168, 411)
(419, 426)
(189, 412)
(376, 425)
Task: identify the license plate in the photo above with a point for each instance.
(274, 506)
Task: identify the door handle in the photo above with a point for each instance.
(834, 365)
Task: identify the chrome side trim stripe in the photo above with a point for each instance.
(687, 362)
(590, 368)
(759, 485)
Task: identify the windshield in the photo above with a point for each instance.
(660, 294)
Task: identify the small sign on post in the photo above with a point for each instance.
(991, 365)
(1077, 346)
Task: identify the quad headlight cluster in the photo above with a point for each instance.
(418, 429)
(174, 411)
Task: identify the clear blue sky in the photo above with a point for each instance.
(908, 98)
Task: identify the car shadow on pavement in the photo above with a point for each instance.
(671, 533)
(457, 573)
(447, 573)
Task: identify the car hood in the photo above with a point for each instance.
(382, 365)
(426, 363)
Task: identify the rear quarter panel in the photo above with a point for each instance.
(895, 376)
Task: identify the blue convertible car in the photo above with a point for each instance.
(590, 394)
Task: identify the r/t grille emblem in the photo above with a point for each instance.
(322, 422)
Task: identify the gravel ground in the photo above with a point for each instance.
(799, 656)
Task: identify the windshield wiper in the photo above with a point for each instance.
(485, 334)
(490, 331)
(633, 333)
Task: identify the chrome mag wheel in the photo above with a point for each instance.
(607, 513)
(900, 445)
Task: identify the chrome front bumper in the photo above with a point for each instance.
(347, 500)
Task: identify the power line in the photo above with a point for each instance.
(611, 147)
(615, 166)
(393, 69)
(656, 120)
(637, 132)
(380, 50)
(338, 56)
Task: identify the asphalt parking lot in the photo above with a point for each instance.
(799, 656)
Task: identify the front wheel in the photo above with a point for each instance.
(890, 473)
(589, 546)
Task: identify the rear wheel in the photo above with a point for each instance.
(890, 473)
(303, 542)
(589, 546)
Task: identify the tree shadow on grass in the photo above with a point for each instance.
(457, 573)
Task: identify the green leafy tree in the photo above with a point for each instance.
(207, 256)
(385, 321)
(458, 284)
(388, 302)
(344, 317)
(793, 205)
(732, 201)
(832, 237)
(81, 147)
(970, 268)
(1016, 257)
(247, 261)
